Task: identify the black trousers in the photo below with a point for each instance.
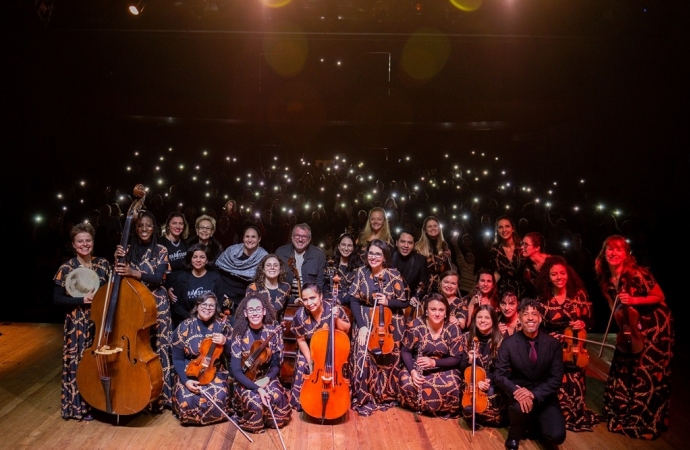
(545, 421)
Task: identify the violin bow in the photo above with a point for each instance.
(474, 385)
(208, 397)
(589, 341)
(275, 422)
(613, 309)
(418, 414)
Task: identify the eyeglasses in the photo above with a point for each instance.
(253, 311)
(301, 237)
(204, 228)
(373, 255)
(524, 244)
(207, 306)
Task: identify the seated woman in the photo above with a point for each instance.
(270, 280)
(194, 280)
(316, 315)
(256, 394)
(206, 323)
(566, 304)
(508, 319)
(457, 314)
(484, 327)
(431, 350)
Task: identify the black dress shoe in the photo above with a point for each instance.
(512, 444)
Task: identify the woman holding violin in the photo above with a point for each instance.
(316, 315)
(198, 345)
(431, 350)
(483, 340)
(636, 398)
(77, 318)
(257, 354)
(270, 281)
(567, 314)
(378, 300)
(147, 261)
(434, 248)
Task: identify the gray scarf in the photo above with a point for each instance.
(230, 261)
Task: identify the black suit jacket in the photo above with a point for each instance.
(514, 369)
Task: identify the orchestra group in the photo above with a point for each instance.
(255, 337)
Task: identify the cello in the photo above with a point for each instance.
(120, 373)
(381, 340)
(326, 392)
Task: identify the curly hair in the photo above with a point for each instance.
(544, 285)
(260, 275)
(201, 299)
(242, 322)
(83, 227)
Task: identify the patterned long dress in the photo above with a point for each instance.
(77, 335)
(636, 398)
(496, 412)
(508, 269)
(304, 325)
(435, 266)
(155, 262)
(571, 395)
(253, 416)
(191, 408)
(440, 393)
(374, 383)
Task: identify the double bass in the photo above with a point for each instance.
(325, 393)
(120, 373)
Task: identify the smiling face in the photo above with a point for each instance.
(485, 283)
(254, 313)
(251, 240)
(207, 309)
(312, 300)
(376, 219)
(272, 268)
(449, 286)
(484, 322)
(509, 306)
(346, 247)
(405, 244)
(530, 318)
(83, 244)
(558, 275)
(432, 228)
(199, 260)
(300, 239)
(204, 230)
(436, 312)
(175, 227)
(615, 254)
(375, 258)
(504, 229)
(527, 247)
(144, 229)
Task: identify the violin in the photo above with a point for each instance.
(255, 361)
(629, 339)
(574, 350)
(381, 341)
(472, 395)
(121, 373)
(203, 368)
(326, 392)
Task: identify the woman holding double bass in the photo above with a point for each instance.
(315, 316)
(198, 345)
(431, 349)
(567, 314)
(146, 260)
(78, 302)
(636, 398)
(378, 301)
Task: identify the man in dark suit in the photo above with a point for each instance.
(530, 370)
(310, 261)
(411, 265)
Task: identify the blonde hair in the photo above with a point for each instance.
(423, 244)
(206, 217)
(384, 234)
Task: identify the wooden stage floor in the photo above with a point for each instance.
(30, 374)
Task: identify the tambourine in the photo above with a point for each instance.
(82, 281)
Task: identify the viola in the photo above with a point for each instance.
(255, 361)
(381, 339)
(472, 395)
(120, 373)
(326, 391)
(203, 368)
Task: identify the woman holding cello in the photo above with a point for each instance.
(257, 354)
(198, 343)
(147, 261)
(636, 398)
(77, 333)
(483, 340)
(378, 300)
(431, 350)
(567, 314)
(316, 315)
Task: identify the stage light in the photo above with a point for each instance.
(136, 8)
